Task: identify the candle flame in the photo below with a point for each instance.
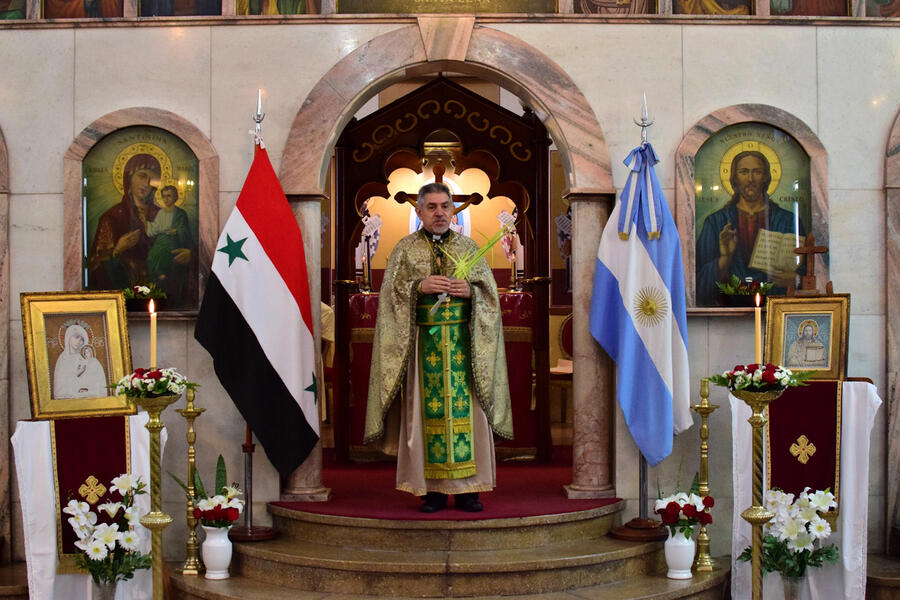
(152, 306)
(757, 298)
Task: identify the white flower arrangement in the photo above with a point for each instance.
(793, 538)
(109, 547)
(147, 383)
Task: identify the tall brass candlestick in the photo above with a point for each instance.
(756, 514)
(156, 520)
(191, 564)
(704, 561)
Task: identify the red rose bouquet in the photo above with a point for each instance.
(680, 512)
(760, 378)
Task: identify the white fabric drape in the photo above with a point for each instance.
(34, 469)
(860, 403)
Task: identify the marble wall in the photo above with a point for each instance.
(208, 75)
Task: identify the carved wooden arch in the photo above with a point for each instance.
(684, 177)
(446, 44)
(892, 272)
(512, 150)
(127, 117)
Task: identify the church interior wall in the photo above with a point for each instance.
(209, 76)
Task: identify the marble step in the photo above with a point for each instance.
(425, 535)
(441, 573)
(654, 586)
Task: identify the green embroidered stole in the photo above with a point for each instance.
(444, 387)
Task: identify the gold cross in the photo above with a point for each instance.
(91, 490)
(803, 449)
(460, 404)
(437, 450)
(433, 359)
(459, 357)
(448, 312)
(434, 405)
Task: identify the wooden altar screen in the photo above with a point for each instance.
(512, 150)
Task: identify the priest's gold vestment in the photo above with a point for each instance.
(397, 371)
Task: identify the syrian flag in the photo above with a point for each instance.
(256, 321)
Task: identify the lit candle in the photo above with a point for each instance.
(152, 335)
(758, 311)
(259, 102)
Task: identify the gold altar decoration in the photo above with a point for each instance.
(190, 413)
(756, 514)
(704, 561)
(156, 520)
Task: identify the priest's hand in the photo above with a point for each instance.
(435, 284)
(460, 288)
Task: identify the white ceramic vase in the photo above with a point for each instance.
(216, 552)
(679, 555)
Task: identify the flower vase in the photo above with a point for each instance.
(679, 550)
(105, 590)
(793, 587)
(216, 552)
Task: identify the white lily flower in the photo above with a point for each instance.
(124, 483)
(111, 508)
(205, 504)
(233, 491)
(108, 534)
(131, 513)
(790, 529)
(822, 501)
(803, 541)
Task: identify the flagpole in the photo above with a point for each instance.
(642, 528)
(249, 532)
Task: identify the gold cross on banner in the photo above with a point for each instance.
(91, 490)
(803, 449)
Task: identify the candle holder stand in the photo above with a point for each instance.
(156, 520)
(704, 561)
(190, 413)
(756, 514)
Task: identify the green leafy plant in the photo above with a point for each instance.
(736, 287)
(222, 508)
(144, 292)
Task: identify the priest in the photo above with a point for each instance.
(439, 348)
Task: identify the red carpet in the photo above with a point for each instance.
(523, 489)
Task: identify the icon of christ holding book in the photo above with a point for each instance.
(750, 236)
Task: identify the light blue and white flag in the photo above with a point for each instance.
(638, 310)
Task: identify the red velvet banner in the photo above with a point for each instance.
(803, 438)
(87, 454)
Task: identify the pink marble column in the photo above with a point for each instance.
(305, 483)
(5, 527)
(593, 384)
(892, 403)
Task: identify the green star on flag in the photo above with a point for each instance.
(312, 387)
(233, 249)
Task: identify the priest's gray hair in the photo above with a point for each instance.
(432, 188)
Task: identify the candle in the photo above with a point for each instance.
(758, 331)
(152, 335)
(259, 102)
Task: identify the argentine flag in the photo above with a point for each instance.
(638, 310)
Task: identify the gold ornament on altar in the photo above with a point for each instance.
(91, 490)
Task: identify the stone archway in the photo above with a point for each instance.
(454, 44)
(892, 271)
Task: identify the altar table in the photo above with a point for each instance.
(846, 578)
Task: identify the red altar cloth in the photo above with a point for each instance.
(803, 439)
(518, 314)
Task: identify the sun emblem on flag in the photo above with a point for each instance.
(650, 306)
